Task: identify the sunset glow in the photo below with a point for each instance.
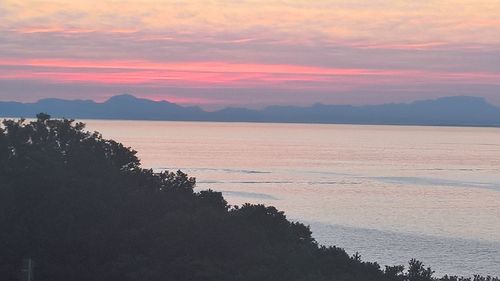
(232, 53)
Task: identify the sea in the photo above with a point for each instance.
(390, 193)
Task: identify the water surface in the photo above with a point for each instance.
(389, 192)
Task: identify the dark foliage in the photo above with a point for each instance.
(83, 209)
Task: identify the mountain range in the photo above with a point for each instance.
(447, 111)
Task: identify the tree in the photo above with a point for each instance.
(417, 272)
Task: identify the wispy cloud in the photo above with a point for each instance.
(316, 48)
(224, 74)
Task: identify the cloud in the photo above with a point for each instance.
(375, 21)
(223, 83)
(221, 74)
(252, 46)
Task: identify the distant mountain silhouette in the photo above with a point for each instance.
(451, 111)
(117, 107)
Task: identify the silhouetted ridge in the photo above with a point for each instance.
(122, 98)
(455, 111)
(456, 100)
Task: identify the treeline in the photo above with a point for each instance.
(82, 208)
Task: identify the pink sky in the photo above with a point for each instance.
(250, 53)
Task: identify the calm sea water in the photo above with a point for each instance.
(391, 193)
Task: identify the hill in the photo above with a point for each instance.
(448, 111)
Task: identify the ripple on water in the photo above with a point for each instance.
(450, 256)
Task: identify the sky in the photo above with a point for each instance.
(251, 53)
